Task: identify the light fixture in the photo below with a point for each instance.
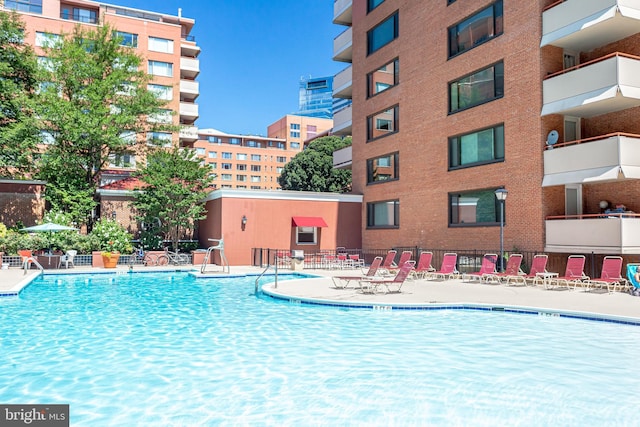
(604, 204)
(244, 220)
(501, 195)
(113, 215)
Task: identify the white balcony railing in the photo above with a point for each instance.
(603, 234)
(189, 133)
(608, 158)
(189, 49)
(342, 158)
(343, 84)
(582, 25)
(343, 46)
(606, 85)
(189, 67)
(189, 110)
(342, 12)
(342, 121)
(190, 88)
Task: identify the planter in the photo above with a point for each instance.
(96, 259)
(111, 260)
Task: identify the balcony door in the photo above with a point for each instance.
(573, 199)
(571, 128)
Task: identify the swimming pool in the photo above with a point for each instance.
(169, 349)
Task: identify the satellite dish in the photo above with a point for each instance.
(552, 138)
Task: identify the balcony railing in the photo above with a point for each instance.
(189, 67)
(605, 85)
(342, 121)
(343, 46)
(603, 158)
(598, 233)
(582, 25)
(342, 12)
(189, 133)
(92, 19)
(342, 158)
(343, 84)
(188, 110)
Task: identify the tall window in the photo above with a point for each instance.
(47, 39)
(241, 156)
(159, 138)
(471, 149)
(161, 92)
(256, 157)
(384, 168)
(157, 44)
(476, 29)
(122, 160)
(383, 78)
(79, 14)
(31, 6)
(372, 4)
(383, 214)
(478, 207)
(162, 116)
(159, 68)
(382, 124)
(382, 34)
(227, 155)
(478, 88)
(128, 39)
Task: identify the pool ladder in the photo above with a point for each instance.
(27, 261)
(275, 267)
(219, 246)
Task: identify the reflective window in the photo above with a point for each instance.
(161, 92)
(128, 39)
(47, 39)
(159, 68)
(384, 168)
(474, 208)
(382, 34)
(382, 124)
(480, 87)
(31, 6)
(383, 78)
(372, 4)
(383, 214)
(157, 44)
(476, 29)
(484, 146)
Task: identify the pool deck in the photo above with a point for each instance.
(418, 293)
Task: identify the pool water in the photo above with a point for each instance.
(169, 349)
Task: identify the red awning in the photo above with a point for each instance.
(308, 221)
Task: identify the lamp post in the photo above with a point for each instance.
(501, 195)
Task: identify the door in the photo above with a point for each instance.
(573, 199)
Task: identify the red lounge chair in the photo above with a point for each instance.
(539, 265)
(424, 265)
(573, 274)
(488, 267)
(611, 275)
(447, 269)
(388, 263)
(404, 257)
(512, 269)
(371, 286)
(341, 282)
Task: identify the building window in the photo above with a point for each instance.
(159, 68)
(31, 6)
(213, 154)
(255, 187)
(295, 126)
(281, 159)
(372, 4)
(226, 166)
(162, 92)
(256, 157)
(255, 168)
(475, 30)
(227, 177)
(162, 116)
(383, 168)
(382, 34)
(295, 145)
(200, 151)
(234, 141)
(382, 124)
(306, 235)
(159, 138)
(128, 39)
(383, 78)
(241, 178)
(78, 14)
(477, 88)
(226, 155)
(122, 160)
(213, 165)
(157, 44)
(47, 39)
(241, 156)
(279, 169)
(383, 214)
(241, 167)
(471, 149)
(255, 178)
(478, 207)
(294, 134)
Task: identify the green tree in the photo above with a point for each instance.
(312, 169)
(19, 132)
(95, 105)
(175, 185)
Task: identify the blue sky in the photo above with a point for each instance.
(253, 53)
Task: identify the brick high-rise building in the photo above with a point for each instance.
(453, 100)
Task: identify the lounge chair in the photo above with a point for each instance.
(512, 269)
(634, 285)
(424, 265)
(342, 282)
(67, 258)
(488, 267)
(538, 266)
(611, 275)
(388, 262)
(404, 257)
(573, 274)
(447, 269)
(372, 286)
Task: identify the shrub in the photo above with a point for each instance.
(110, 236)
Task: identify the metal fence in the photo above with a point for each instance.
(83, 260)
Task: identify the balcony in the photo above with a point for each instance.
(612, 234)
(188, 112)
(342, 11)
(189, 90)
(342, 158)
(605, 158)
(189, 49)
(606, 85)
(582, 25)
(343, 84)
(188, 134)
(342, 122)
(189, 68)
(343, 46)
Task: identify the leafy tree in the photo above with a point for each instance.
(19, 132)
(175, 185)
(95, 106)
(312, 169)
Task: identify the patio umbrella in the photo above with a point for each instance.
(49, 227)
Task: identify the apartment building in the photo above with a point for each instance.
(455, 99)
(298, 130)
(164, 41)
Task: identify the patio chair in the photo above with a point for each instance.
(26, 258)
(404, 257)
(512, 269)
(67, 258)
(388, 262)
(634, 285)
(538, 266)
(424, 265)
(356, 261)
(342, 282)
(372, 286)
(447, 269)
(573, 274)
(488, 267)
(611, 276)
